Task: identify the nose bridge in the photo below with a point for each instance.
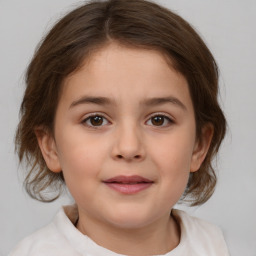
(128, 141)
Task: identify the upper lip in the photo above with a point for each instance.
(128, 179)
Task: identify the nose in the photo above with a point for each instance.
(128, 144)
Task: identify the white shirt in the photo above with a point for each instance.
(61, 238)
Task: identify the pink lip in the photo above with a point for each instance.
(128, 184)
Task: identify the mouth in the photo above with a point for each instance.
(128, 184)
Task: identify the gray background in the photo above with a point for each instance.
(228, 27)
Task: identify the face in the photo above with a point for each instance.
(124, 137)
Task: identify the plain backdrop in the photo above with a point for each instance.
(228, 27)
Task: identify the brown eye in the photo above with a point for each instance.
(157, 120)
(95, 120)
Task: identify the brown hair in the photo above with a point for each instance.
(135, 23)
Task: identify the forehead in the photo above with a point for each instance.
(129, 58)
(120, 72)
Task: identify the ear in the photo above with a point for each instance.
(48, 148)
(201, 147)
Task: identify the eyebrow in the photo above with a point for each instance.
(147, 102)
(93, 100)
(164, 100)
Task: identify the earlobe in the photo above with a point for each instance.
(201, 147)
(48, 149)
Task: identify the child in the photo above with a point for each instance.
(121, 107)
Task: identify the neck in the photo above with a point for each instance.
(159, 237)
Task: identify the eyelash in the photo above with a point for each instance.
(167, 120)
(89, 118)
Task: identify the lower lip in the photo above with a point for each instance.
(129, 188)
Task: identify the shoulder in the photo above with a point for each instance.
(194, 224)
(200, 236)
(47, 241)
(36, 243)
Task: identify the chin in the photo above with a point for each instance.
(128, 219)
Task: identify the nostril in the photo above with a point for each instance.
(135, 157)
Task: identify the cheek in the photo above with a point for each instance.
(173, 153)
(79, 156)
(173, 169)
(81, 168)
(80, 161)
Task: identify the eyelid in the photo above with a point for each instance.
(170, 119)
(88, 116)
(103, 115)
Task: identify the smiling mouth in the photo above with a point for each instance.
(128, 184)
